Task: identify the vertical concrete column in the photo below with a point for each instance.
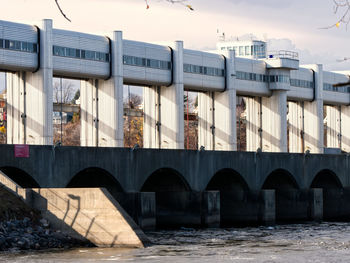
(268, 207)
(210, 209)
(345, 128)
(253, 128)
(217, 113)
(88, 112)
(274, 122)
(30, 100)
(206, 126)
(296, 126)
(151, 120)
(172, 105)
(313, 114)
(102, 104)
(333, 126)
(316, 204)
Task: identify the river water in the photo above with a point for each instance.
(326, 242)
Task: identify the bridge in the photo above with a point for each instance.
(285, 101)
(239, 187)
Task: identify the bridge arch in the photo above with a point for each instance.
(234, 196)
(280, 179)
(175, 203)
(20, 177)
(334, 206)
(165, 179)
(326, 179)
(291, 204)
(227, 180)
(95, 177)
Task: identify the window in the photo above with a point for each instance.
(241, 51)
(247, 50)
(79, 53)
(149, 63)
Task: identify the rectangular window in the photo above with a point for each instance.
(241, 51)
(1, 43)
(247, 50)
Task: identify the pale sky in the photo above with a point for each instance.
(292, 24)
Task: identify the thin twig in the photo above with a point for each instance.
(345, 18)
(59, 7)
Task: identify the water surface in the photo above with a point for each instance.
(326, 242)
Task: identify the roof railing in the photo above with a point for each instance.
(283, 54)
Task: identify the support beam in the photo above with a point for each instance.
(30, 99)
(296, 126)
(164, 109)
(253, 128)
(345, 128)
(102, 104)
(217, 114)
(274, 122)
(313, 114)
(333, 126)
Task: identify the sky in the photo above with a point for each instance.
(293, 25)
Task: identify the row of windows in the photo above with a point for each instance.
(80, 53)
(301, 83)
(251, 76)
(18, 45)
(146, 62)
(279, 78)
(257, 51)
(330, 87)
(188, 68)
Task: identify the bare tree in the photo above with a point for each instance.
(67, 93)
(132, 102)
(182, 2)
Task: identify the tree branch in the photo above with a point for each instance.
(340, 5)
(59, 8)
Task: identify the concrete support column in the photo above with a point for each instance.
(217, 114)
(268, 207)
(30, 98)
(316, 204)
(274, 122)
(313, 115)
(253, 128)
(102, 104)
(164, 109)
(210, 213)
(345, 128)
(296, 126)
(333, 126)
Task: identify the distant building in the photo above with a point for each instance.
(252, 49)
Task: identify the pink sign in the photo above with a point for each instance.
(21, 151)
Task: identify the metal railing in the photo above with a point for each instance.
(283, 54)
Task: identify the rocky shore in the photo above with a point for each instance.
(22, 228)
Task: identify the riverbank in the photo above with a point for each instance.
(22, 228)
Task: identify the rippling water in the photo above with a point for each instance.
(327, 242)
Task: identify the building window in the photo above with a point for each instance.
(18, 45)
(209, 71)
(145, 62)
(80, 54)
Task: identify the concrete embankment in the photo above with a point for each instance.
(86, 214)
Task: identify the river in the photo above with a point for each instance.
(326, 242)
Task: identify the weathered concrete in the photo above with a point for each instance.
(210, 209)
(179, 178)
(316, 204)
(267, 213)
(85, 214)
(88, 213)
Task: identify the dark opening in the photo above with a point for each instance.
(96, 177)
(176, 205)
(335, 198)
(326, 179)
(20, 177)
(280, 180)
(165, 180)
(290, 202)
(237, 204)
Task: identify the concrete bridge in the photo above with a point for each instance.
(241, 187)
